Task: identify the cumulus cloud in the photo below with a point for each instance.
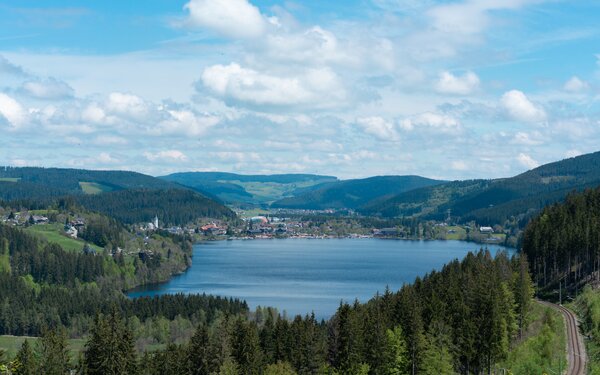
(126, 104)
(185, 122)
(49, 89)
(574, 84)
(378, 127)
(318, 87)
(431, 121)
(166, 156)
(520, 108)
(12, 111)
(527, 161)
(459, 85)
(230, 18)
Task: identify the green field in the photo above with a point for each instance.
(54, 233)
(9, 179)
(268, 192)
(94, 188)
(11, 344)
(459, 233)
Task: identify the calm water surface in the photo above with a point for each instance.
(303, 275)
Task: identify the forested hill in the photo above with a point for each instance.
(172, 206)
(354, 193)
(494, 201)
(31, 183)
(563, 242)
(248, 189)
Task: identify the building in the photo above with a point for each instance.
(487, 230)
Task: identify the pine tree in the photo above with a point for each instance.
(199, 352)
(246, 347)
(110, 349)
(437, 357)
(25, 360)
(280, 368)
(53, 353)
(396, 352)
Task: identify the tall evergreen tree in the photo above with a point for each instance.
(110, 349)
(53, 353)
(26, 364)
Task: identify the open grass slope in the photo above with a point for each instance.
(54, 233)
(94, 187)
(494, 201)
(12, 344)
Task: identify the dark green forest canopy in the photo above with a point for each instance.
(495, 201)
(32, 182)
(172, 206)
(354, 193)
(563, 242)
(49, 287)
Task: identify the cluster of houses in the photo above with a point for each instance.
(18, 219)
(74, 227)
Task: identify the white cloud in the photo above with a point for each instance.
(12, 111)
(575, 85)
(459, 165)
(230, 18)
(527, 161)
(93, 113)
(166, 156)
(378, 127)
(523, 138)
(106, 158)
(126, 104)
(470, 16)
(48, 89)
(432, 122)
(317, 87)
(520, 108)
(460, 85)
(185, 122)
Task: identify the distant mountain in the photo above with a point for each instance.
(354, 193)
(494, 201)
(127, 196)
(247, 189)
(29, 183)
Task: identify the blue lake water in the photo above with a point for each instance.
(303, 275)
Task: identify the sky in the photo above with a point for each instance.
(445, 89)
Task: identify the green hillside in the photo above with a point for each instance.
(127, 196)
(494, 201)
(172, 206)
(35, 183)
(239, 189)
(354, 193)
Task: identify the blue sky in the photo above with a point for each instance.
(447, 89)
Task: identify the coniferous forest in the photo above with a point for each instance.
(461, 319)
(563, 242)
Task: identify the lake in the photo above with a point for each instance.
(303, 275)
